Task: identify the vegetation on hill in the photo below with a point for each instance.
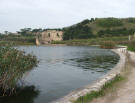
(100, 27)
(109, 22)
(79, 32)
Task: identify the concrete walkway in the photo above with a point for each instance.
(125, 91)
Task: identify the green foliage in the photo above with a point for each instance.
(89, 97)
(79, 31)
(131, 46)
(33, 32)
(116, 32)
(95, 94)
(20, 39)
(36, 30)
(13, 64)
(120, 40)
(26, 32)
(100, 27)
(29, 31)
(85, 22)
(109, 22)
(92, 19)
(17, 39)
(131, 20)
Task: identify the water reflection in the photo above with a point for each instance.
(25, 94)
(97, 63)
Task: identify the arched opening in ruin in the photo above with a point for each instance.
(58, 35)
(49, 35)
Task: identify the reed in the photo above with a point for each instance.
(108, 44)
(13, 64)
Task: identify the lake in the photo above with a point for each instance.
(61, 70)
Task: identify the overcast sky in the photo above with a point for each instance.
(17, 14)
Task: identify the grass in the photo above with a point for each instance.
(17, 40)
(95, 94)
(94, 41)
(15, 43)
(120, 40)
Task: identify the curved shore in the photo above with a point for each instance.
(96, 86)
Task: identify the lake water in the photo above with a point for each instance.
(61, 70)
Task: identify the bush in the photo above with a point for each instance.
(131, 46)
(13, 64)
(116, 32)
(131, 20)
(79, 31)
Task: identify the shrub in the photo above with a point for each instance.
(131, 20)
(116, 32)
(13, 64)
(78, 32)
(131, 46)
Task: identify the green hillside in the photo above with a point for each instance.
(100, 27)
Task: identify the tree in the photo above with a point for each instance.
(6, 32)
(80, 31)
(26, 32)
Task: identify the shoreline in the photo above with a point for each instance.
(97, 85)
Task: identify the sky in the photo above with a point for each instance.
(18, 14)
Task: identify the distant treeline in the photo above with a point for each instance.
(17, 38)
(26, 32)
(26, 35)
(33, 32)
(95, 27)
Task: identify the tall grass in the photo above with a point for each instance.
(94, 41)
(13, 64)
(107, 44)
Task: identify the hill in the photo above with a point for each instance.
(100, 27)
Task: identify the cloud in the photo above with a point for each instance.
(17, 14)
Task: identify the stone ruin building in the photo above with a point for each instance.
(48, 36)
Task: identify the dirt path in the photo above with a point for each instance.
(123, 92)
